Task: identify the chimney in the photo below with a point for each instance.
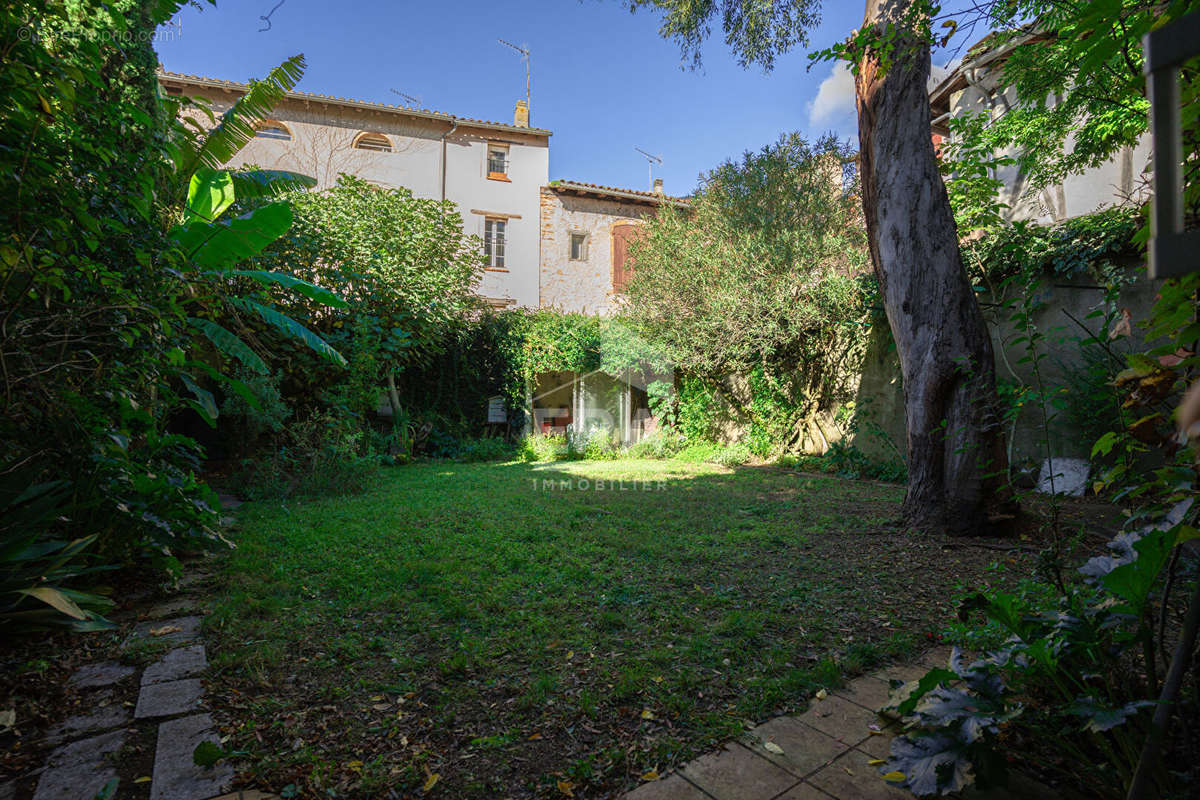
(658, 186)
(521, 115)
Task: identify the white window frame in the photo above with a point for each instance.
(495, 247)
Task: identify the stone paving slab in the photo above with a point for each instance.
(937, 657)
(879, 746)
(868, 691)
(168, 699)
(841, 719)
(173, 607)
(830, 746)
(905, 673)
(79, 770)
(789, 743)
(163, 630)
(182, 662)
(104, 714)
(672, 787)
(806, 791)
(735, 773)
(176, 776)
(852, 778)
(105, 673)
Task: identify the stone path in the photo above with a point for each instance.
(170, 696)
(824, 753)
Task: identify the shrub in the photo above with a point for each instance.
(540, 447)
(485, 449)
(663, 444)
(697, 452)
(731, 456)
(1074, 677)
(321, 455)
(595, 445)
(244, 423)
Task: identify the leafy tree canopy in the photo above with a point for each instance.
(404, 261)
(766, 260)
(755, 31)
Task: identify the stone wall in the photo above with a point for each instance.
(880, 398)
(583, 285)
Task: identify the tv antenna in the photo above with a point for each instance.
(416, 101)
(651, 160)
(527, 57)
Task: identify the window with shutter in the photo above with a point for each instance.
(623, 233)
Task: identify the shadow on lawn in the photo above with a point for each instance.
(510, 626)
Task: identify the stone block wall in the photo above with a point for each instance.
(583, 285)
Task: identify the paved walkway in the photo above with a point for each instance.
(832, 750)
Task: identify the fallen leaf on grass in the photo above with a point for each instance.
(647, 714)
(652, 775)
(431, 781)
(534, 737)
(771, 747)
(567, 788)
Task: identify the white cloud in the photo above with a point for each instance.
(835, 98)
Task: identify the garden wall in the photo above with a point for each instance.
(1073, 375)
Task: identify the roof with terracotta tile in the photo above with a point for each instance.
(612, 191)
(217, 83)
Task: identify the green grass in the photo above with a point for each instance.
(484, 623)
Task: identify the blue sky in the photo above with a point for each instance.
(603, 80)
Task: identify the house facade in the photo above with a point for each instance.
(977, 86)
(492, 171)
(586, 230)
(560, 245)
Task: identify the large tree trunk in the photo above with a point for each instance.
(957, 465)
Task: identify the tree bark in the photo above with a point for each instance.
(957, 465)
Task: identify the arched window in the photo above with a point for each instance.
(270, 129)
(373, 141)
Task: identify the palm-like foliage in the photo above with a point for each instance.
(213, 245)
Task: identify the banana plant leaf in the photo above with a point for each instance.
(213, 245)
(229, 344)
(309, 290)
(289, 327)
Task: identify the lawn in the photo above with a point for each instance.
(534, 630)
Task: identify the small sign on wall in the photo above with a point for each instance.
(497, 409)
